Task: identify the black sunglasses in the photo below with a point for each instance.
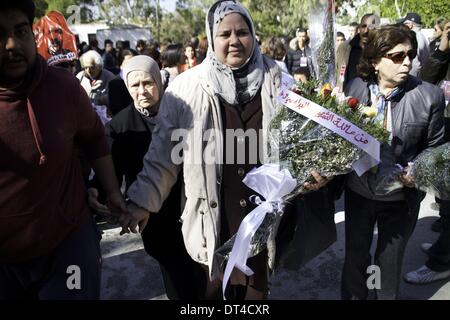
(399, 57)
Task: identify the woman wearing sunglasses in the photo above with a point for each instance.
(412, 111)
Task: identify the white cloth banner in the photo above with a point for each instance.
(332, 121)
(273, 184)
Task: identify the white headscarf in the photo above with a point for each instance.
(222, 77)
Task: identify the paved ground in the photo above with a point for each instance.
(129, 273)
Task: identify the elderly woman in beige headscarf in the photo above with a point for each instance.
(137, 121)
(130, 134)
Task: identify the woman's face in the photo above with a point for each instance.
(437, 32)
(189, 52)
(394, 67)
(143, 89)
(233, 43)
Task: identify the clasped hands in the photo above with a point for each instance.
(138, 217)
(117, 212)
(135, 217)
(131, 216)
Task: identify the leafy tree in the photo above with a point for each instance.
(429, 10)
(187, 21)
(272, 18)
(41, 7)
(60, 5)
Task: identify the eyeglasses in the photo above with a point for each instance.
(399, 57)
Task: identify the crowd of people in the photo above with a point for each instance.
(95, 138)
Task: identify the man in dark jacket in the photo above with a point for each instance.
(437, 71)
(300, 54)
(349, 54)
(49, 245)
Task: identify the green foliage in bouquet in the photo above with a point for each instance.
(304, 145)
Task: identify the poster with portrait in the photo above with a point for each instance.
(55, 42)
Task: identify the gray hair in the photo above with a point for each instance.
(91, 55)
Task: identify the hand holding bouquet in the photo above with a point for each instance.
(429, 172)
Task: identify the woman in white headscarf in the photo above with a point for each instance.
(234, 88)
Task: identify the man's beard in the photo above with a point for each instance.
(364, 37)
(13, 81)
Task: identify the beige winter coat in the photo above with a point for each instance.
(190, 104)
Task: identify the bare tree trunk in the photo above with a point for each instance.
(130, 9)
(397, 8)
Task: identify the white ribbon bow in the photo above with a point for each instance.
(273, 185)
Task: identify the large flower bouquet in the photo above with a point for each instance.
(301, 144)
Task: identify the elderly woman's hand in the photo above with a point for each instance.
(137, 217)
(320, 182)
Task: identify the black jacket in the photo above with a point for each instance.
(418, 116)
(436, 70)
(353, 60)
(129, 134)
(437, 67)
(118, 96)
(418, 123)
(293, 57)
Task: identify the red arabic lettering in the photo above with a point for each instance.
(329, 116)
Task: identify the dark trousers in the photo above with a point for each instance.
(395, 224)
(52, 277)
(439, 253)
(183, 278)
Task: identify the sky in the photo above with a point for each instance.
(168, 5)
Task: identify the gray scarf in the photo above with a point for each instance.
(233, 86)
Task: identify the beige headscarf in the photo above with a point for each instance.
(147, 64)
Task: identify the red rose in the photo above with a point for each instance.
(353, 103)
(297, 91)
